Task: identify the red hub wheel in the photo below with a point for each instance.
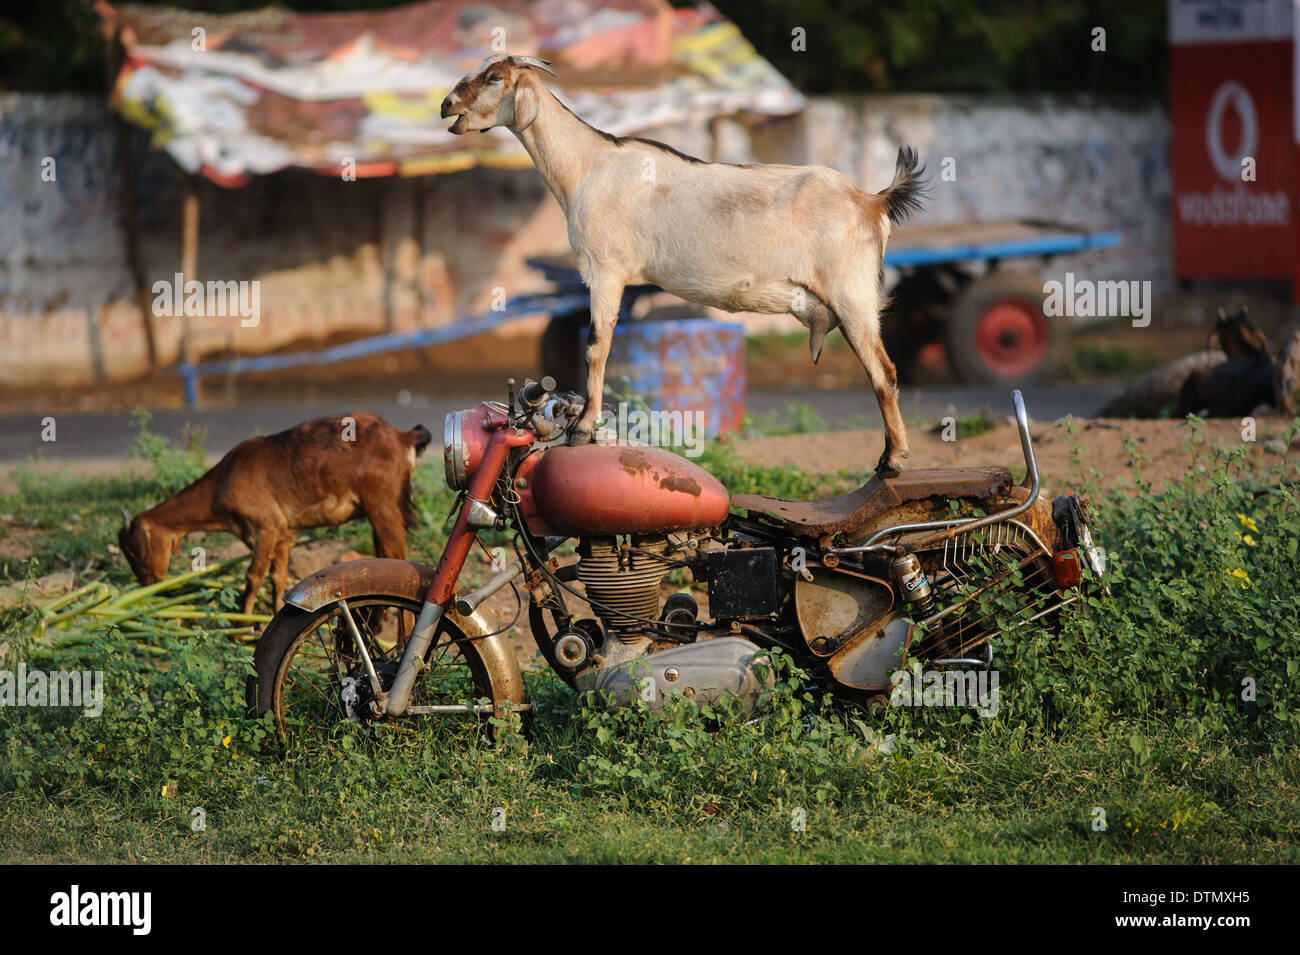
(1011, 337)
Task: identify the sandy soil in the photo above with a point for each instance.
(1103, 441)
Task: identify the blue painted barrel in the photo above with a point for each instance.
(682, 364)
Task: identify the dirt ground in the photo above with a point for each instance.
(1102, 440)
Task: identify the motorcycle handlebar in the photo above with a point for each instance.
(534, 393)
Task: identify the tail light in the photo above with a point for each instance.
(1067, 568)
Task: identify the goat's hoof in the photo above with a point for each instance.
(890, 465)
(581, 436)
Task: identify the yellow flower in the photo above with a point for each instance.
(1248, 522)
(1250, 541)
(226, 742)
(1245, 578)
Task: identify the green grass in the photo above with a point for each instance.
(1135, 709)
(1113, 361)
(768, 344)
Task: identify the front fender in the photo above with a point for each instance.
(403, 578)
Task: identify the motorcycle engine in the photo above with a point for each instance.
(624, 578)
(634, 659)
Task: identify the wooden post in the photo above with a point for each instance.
(715, 138)
(126, 198)
(189, 257)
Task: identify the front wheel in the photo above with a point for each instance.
(311, 676)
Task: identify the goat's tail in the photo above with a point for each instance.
(909, 189)
(420, 437)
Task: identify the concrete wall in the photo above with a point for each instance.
(338, 259)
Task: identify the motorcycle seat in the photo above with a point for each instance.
(849, 512)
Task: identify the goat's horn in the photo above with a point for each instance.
(126, 517)
(544, 65)
(494, 58)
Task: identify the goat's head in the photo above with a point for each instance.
(494, 96)
(146, 547)
(1237, 335)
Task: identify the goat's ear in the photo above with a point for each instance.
(524, 103)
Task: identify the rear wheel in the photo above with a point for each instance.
(997, 333)
(310, 675)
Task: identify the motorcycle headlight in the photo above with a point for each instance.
(455, 459)
(464, 439)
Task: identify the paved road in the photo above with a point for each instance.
(81, 436)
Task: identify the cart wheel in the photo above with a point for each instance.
(563, 347)
(997, 333)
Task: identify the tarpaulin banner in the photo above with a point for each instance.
(244, 94)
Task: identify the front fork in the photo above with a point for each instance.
(443, 586)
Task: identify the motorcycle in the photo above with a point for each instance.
(929, 565)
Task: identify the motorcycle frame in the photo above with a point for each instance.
(504, 437)
(954, 527)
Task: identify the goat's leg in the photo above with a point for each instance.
(884, 382)
(280, 572)
(263, 547)
(606, 296)
(388, 529)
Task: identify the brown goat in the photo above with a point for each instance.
(265, 490)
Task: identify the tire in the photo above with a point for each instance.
(456, 670)
(997, 333)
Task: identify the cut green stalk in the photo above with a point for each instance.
(66, 599)
(77, 611)
(170, 583)
(184, 613)
(151, 608)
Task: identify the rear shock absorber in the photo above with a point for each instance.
(911, 580)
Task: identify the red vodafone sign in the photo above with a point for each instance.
(1234, 148)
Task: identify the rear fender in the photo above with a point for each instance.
(403, 578)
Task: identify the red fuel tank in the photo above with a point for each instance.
(598, 489)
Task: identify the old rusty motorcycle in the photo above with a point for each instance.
(929, 565)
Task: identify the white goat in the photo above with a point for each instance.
(756, 238)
